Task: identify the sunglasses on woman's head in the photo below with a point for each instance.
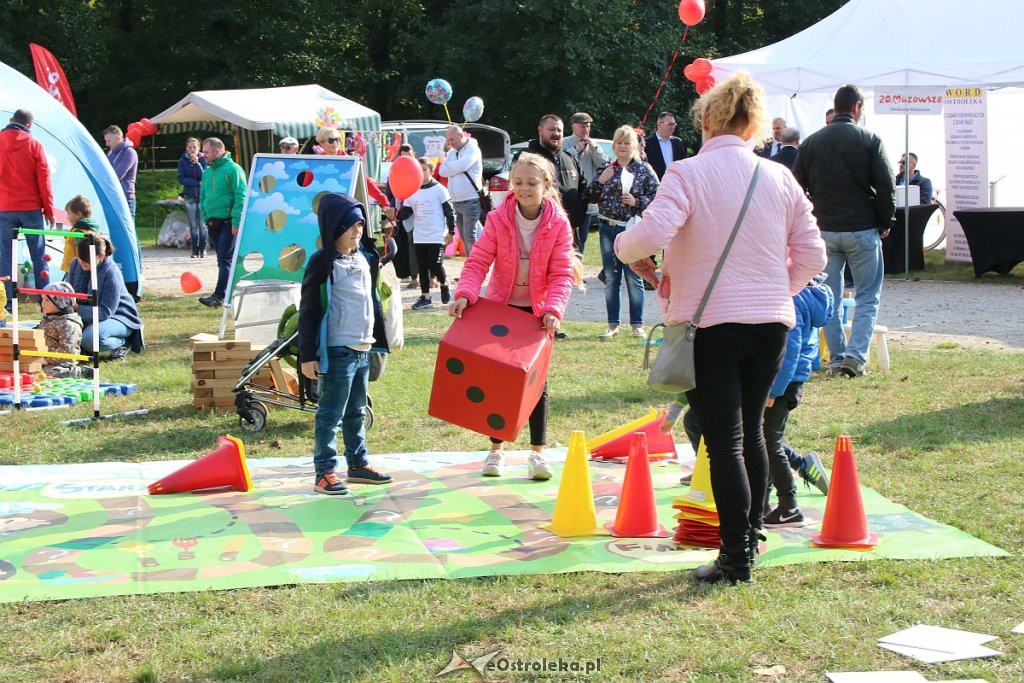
(333, 141)
(286, 146)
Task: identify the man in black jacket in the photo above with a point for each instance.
(568, 177)
(663, 148)
(849, 180)
(787, 154)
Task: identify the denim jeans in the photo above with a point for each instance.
(862, 249)
(224, 244)
(615, 271)
(113, 335)
(9, 220)
(584, 232)
(196, 228)
(341, 404)
(467, 215)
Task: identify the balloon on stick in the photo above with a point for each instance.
(690, 73)
(190, 284)
(691, 12)
(473, 109)
(702, 67)
(405, 177)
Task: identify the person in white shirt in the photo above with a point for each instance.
(435, 229)
(463, 167)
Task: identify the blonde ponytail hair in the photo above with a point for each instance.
(735, 106)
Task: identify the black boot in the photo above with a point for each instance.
(733, 567)
(754, 538)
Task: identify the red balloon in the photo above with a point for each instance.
(148, 127)
(690, 74)
(405, 177)
(705, 84)
(134, 133)
(691, 12)
(702, 67)
(190, 284)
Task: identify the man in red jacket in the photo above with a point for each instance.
(26, 196)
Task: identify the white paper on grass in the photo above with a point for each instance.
(876, 677)
(937, 638)
(937, 656)
(1020, 628)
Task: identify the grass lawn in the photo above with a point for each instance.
(942, 433)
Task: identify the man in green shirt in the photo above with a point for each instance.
(221, 197)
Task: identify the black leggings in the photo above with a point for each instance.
(735, 367)
(431, 262)
(539, 417)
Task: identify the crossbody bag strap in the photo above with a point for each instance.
(470, 179)
(728, 245)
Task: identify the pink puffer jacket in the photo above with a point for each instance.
(777, 250)
(550, 260)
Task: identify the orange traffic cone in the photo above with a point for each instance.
(637, 516)
(619, 447)
(845, 525)
(223, 466)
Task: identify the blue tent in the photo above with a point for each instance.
(77, 164)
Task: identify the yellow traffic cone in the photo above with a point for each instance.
(574, 507)
(700, 494)
(627, 428)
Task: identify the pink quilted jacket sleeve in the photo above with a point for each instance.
(807, 254)
(559, 273)
(475, 269)
(660, 223)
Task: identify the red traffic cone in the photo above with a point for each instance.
(223, 466)
(637, 516)
(620, 447)
(190, 283)
(845, 525)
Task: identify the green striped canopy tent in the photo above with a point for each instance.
(254, 118)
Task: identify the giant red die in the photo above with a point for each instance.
(490, 371)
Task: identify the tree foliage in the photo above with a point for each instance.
(126, 59)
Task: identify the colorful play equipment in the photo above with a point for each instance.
(637, 516)
(17, 352)
(617, 442)
(575, 514)
(225, 466)
(696, 510)
(845, 524)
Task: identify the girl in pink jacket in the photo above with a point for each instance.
(742, 333)
(528, 240)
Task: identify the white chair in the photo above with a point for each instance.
(878, 337)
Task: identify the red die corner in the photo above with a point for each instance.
(490, 371)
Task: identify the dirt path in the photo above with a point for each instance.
(918, 314)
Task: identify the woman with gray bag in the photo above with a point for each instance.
(740, 240)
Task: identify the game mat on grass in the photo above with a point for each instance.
(76, 531)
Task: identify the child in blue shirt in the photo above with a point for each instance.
(340, 323)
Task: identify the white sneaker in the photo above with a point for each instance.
(537, 467)
(494, 463)
(639, 332)
(609, 333)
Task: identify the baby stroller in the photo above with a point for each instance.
(252, 397)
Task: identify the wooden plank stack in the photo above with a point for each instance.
(217, 366)
(28, 339)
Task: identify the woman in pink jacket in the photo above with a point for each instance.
(528, 240)
(742, 332)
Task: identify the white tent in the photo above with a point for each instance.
(886, 42)
(256, 115)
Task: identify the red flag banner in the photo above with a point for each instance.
(50, 76)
